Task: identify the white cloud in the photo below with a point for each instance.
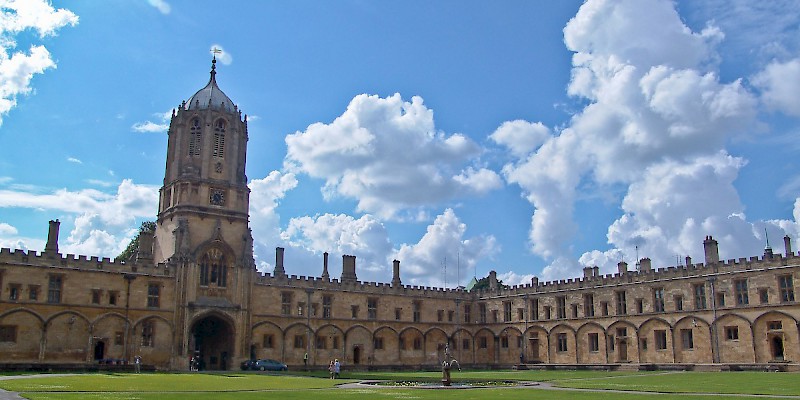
(162, 6)
(521, 137)
(222, 56)
(387, 154)
(161, 124)
(17, 69)
(7, 230)
(74, 160)
(780, 83)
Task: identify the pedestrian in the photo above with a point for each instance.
(331, 369)
(337, 367)
(305, 360)
(137, 364)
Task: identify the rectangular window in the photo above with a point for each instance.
(740, 291)
(622, 333)
(327, 305)
(417, 343)
(574, 311)
(644, 344)
(594, 342)
(153, 294)
(335, 344)
(467, 314)
(535, 309)
(148, 333)
(450, 314)
(622, 304)
(604, 308)
(96, 296)
(439, 315)
(54, 286)
(763, 295)
(678, 303)
(354, 311)
(286, 303)
(588, 305)
(639, 306)
(482, 342)
(299, 341)
(658, 299)
(314, 309)
(321, 343)
(112, 297)
(372, 308)
(482, 312)
(8, 333)
(721, 299)
(13, 292)
(504, 342)
(520, 314)
(301, 309)
(660, 337)
(494, 315)
(398, 313)
(465, 344)
(561, 307)
(119, 338)
(507, 311)
(268, 341)
(416, 306)
(561, 344)
(786, 287)
(731, 333)
(33, 292)
(774, 325)
(700, 296)
(687, 339)
(377, 343)
(547, 312)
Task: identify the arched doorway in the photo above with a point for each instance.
(211, 341)
(356, 355)
(777, 348)
(99, 350)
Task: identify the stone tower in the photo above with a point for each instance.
(202, 228)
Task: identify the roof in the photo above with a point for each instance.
(211, 96)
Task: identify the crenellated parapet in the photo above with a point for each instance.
(31, 258)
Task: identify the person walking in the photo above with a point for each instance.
(337, 367)
(137, 364)
(331, 369)
(305, 360)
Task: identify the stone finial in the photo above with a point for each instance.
(52, 238)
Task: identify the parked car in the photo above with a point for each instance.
(264, 365)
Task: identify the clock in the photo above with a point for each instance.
(217, 197)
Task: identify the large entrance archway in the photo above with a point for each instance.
(211, 342)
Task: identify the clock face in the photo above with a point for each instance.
(217, 197)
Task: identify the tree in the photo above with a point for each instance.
(147, 226)
(483, 284)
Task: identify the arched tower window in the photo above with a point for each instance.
(195, 136)
(219, 139)
(213, 269)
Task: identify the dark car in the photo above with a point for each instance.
(264, 365)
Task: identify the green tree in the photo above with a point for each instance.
(147, 226)
(483, 284)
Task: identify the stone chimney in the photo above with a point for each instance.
(711, 248)
(52, 238)
(645, 265)
(325, 275)
(396, 274)
(535, 281)
(622, 267)
(688, 261)
(144, 254)
(787, 244)
(349, 269)
(279, 271)
(492, 281)
(587, 272)
(595, 271)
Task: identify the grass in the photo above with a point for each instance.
(312, 386)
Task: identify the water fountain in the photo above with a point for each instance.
(447, 364)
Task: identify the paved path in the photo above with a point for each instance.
(6, 395)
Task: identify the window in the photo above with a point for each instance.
(219, 139)
(588, 305)
(54, 286)
(687, 339)
(535, 309)
(740, 291)
(504, 341)
(520, 314)
(604, 308)
(415, 310)
(301, 309)
(195, 136)
(377, 343)
(372, 308)
(33, 292)
(321, 343)
(96, 296)
(153, 293)
(639, 306)
(775, 325)
(299, 341)
(148, 333)
(335, 344)
(450, 315)
(561, 343)
(763, 295)
(327, 305)
(398, 313)
(482, 312)
(8, 333)
(678, 303)
(467, 314)
(112, 297)
(268, 341)
(440, 315)
(721, 299)
(658, 299)
(574, 311)
(594, 342)
(482, 342)
(611, 342)
(119, 338)
(561, 307)
(417, 343)
(465, 344)
(286, 303)
(507, 311)
(314, 309)
(660, 339)
(354, 311)
(213, 268)
(494, 315)
(401, 343)
(547, 312)
(786, 287)
(731, 333)
(622, 305)
(643, 344)
(700, 296)
(13, 292)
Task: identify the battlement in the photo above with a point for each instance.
(78, 262)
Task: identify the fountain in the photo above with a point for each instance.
(447, 364)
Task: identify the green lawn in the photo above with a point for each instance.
(246, 386)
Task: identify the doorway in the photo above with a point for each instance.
(211, 341)
(777, 348)
(99, 350)
(356, 355)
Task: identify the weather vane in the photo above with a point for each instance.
(216, 51)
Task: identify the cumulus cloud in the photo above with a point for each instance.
(656, 122)
(17, 69)
(7, 230)
(521, 137)
(265, 196)
(779, 83)
(102, 223)
(160, 125)
(161, 5)
(74, 160)
(387, 154)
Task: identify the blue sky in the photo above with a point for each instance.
(526, 137)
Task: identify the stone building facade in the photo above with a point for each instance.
(191, 289)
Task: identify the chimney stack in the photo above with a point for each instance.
(492, 281)
(396, 273)
(787, 244)
(325, 275)
(711, 248)
(595, 271)
(622, 267)
(688, 261)
(52, 238)
(645, 265)
(144, 254)
(349, 269)
(279, 271)
(587, 272)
